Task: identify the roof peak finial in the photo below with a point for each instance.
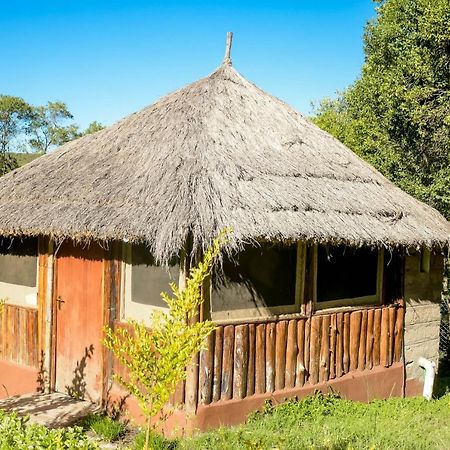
(227, 57)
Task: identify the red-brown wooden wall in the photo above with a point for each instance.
(19, 335)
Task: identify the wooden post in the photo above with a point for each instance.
(355, 331)
(251, 359)
(384, 339)
(300, 370)
(49, 350)
(111, 304)
(346, 342)
(206, 371)
(260, 359)
(333, 338)
(240, 361)
(307, 348)
(191, 384)
(392, 314)
(270, 357)
(362, 342)
(369, 341)
(314, 345)
(227, 362)
(218, 352)
(178, 396)
(339, 344)
(291, 354)
(376, 336)
(227, 57)
(399, 334)
(324, 371)
(280, 355)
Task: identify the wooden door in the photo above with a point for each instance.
(79, 321)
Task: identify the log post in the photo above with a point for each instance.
(333, 339)
(280, 355)
(392, 314)
(240, 368)
(260, 359)
(270, 356)
(362, 341)
(376, 336)
(291, 354)
(324, 370)
(399, 334)
(314, 345)
(218, 353)
(346, 342)
(307, 347)
(206, 371)
(384, 339)
(227, 363)
(369, 341)
(340, 344)
(251, 359)
(355, 332)
(300, 370)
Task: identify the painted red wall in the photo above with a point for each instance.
(17, 379)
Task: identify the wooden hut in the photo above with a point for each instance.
(332, 277)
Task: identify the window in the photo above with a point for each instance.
(18, 271)
(259, 281)
(347, 276)
(143, 281)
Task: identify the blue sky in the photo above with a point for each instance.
(107, 59)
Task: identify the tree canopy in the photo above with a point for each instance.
(397, 114)
(48, 126)
(24, 127)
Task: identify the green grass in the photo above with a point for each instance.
(329, 423)
(103, 426)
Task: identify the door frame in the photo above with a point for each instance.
(109, 299)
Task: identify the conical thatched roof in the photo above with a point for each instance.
(219, 152)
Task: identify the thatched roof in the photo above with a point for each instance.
(219, 152)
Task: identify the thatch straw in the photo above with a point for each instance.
(219, 152)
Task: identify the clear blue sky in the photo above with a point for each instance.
(107, 58)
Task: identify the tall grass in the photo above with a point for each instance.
(327, 422)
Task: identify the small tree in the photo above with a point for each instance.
(156, 359)
(93, 127)
(48, 128)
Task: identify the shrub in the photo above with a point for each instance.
(16, 433)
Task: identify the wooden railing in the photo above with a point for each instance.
(246, 359)
(19, 335)
(256, 358)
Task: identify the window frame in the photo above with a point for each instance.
(268, 311)
(126, 285)
(23, 304)
(367, 300)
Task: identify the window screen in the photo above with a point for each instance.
(18, 261)
(148, 279)
(257, 277)
(346, 273)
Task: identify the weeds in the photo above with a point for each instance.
(103, 426)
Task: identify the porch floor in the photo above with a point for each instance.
(53, 410)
